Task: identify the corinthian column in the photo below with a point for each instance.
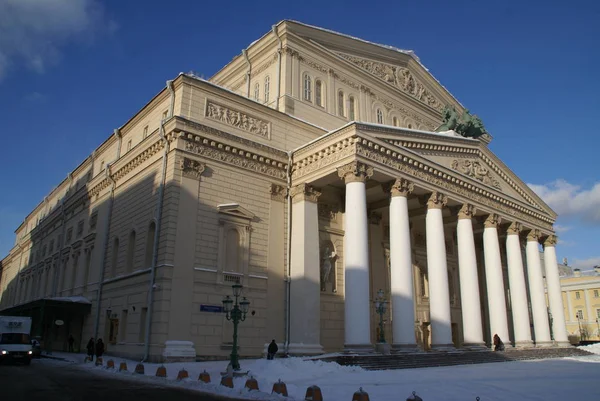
(518, 291)
(403, 304)
(439, 294)
(494, 278)
(536, 291)
(305, 295)
(559, 327)
(469, 282)
(356, 257)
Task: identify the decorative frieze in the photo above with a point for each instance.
(314, 65)
(264, 66)
(355, 172)
(475, 169)
(437, 200)
(467, 211)
(278, 192)
(398, 77)
(304, 192)
(238, 119)
(327, 156)
(191, 168)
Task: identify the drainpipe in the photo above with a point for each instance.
(161, 191)
(289, 254)
(248, 73)
(106, 238)
(279, 50)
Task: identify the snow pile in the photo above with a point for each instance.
(593, 348)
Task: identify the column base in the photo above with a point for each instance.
(405, 348)
(443, 347)
(300, 349)
(524, 344)
(475, 346)
(544, 344)
(358, 348)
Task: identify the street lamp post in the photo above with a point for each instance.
(236, 312)
(380, 307)
(598, 324)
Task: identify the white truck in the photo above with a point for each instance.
(15, 341)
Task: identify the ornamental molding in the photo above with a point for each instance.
(355, 172)
(475, 169)
(398, 77)
(191, 168)
(314, 65)
(236, 157)
(238, 85)
(238, 119)
(278, 192)
(349, 82)
(264, 66)
(304, 192)
(327, 156)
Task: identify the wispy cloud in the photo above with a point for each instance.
(32, 32)
(585, 264)
(571, 201)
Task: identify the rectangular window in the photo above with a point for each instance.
(598, 313)
(143, 315)
(69, 235)
(123, 331)
(577, 295)
(80, 229)
(595, 293)
(145, 131)
(129, 145)
(580, 314)
(93, 221)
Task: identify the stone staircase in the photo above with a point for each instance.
(459, 357)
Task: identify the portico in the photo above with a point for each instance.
(473, 242)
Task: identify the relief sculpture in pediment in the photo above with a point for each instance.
(476, 169)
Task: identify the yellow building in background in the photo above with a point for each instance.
(581, 300)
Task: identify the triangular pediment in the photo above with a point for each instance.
(234, 209)
(471, 159)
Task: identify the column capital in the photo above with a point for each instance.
(437, 200)
(514, 228)
(191, 168)
(399, 187)
(492, 221)
(467, 211)
(304, 192)
(550, 240)
(534, 235)
(355, 172)
(278, 192)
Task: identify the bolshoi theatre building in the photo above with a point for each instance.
(314, 169)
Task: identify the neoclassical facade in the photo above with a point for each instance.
(308, 170)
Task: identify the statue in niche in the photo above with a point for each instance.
(328, 258)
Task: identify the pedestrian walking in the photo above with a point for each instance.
(99, 349)
(90, 349)
(272, 350)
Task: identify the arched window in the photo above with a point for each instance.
(115, 258)
(256, 91)
(130, 252)
(307, 88)
(395, 121)
(351, 108)
(341, 104)
(267, 85)
(409, 125)
(150, 245)
(318, 93)
(379, 116)
(233, 251)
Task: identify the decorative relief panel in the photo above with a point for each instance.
(476, 169)
(399, 77)
(238, 119)
(191, 168)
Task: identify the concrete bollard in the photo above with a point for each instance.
(313, 393)
(98, 361)
(414, 397)
(139, 369)
(183, 374)
(227, 381)
(251, 384)
(161, 371)
(122, 367)
(204, 377)
(110, 364)
(280, 388)
(360, 395)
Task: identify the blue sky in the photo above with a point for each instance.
(73, 70)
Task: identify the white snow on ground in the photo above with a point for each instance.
(548, 380)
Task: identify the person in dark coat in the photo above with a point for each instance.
(272, 350)
(71, 342)
(498, 344)
(90, 349)
(99, 348)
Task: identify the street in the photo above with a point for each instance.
(57, 381)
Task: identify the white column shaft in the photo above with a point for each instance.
(559, 326)
(495, 284)
(569, 307)
(469, 284)
(537, 294)
(518, 290)
(439, 294)
(403, 312)
(356, 260)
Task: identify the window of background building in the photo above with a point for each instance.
(595, 293)
(80, 229)
(123, 328)
(579, 314)
(341, 104)
(351, 108)
(577, 295)
(69, 235)
(395, 121)
(598, 313)
(256, 91)
(307, 88)
(318, 93)
(267, 87)
(143, 314)
(379, 116)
